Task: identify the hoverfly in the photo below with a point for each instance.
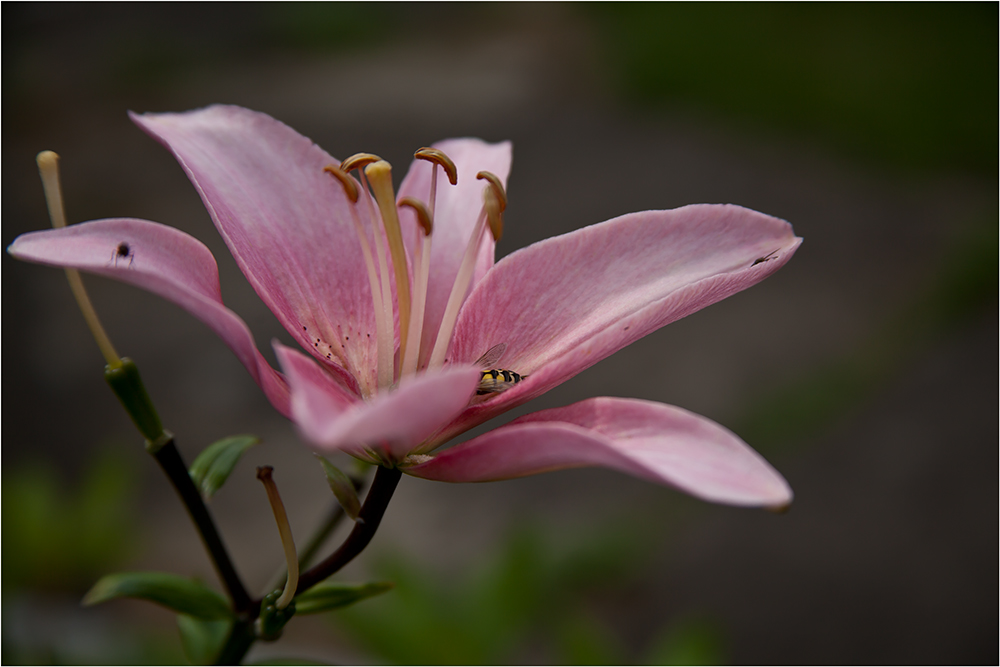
(494, 380)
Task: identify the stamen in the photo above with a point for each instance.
(48, 169)
(423, 215)
(420, 276)
(358, 161)
(496, 186)
(380, 176)
(383, 327)
(281, 518)
(494, 202)
(349, 184)
(438, 157)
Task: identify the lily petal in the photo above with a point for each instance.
(657, 442)
(565, 303)
(162, 260)
(286, 222)
(456, 212)
(393, 423)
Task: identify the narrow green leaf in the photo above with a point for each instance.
(202, 640)
(333, 596)
(173, 591)
(343, 488)
(212, 467)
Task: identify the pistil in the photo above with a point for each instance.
(494, 201)
(380, 177)
(48, 168)
(386, 343)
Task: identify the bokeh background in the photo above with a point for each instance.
(865, 370)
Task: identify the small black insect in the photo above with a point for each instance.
(122, 251)
(766, 258)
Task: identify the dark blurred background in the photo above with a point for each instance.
(864, 370)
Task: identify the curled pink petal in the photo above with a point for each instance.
(456, 213)
(565, 303)
(657, 442)
(162, 260)
(392, 423)
(287, 223)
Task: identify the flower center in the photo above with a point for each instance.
(376, 174)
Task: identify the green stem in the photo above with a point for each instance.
(170, 461)
(125, 381)
(241, 637)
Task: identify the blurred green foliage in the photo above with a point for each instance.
(58, 536)
(536, 599)
(58, 539)
(329, 26)
(695, 640)
(911, 84)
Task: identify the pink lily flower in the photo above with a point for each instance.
(395, 321)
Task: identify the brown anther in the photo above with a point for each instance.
(494, 212)
(358, 161)
(349, 184)
(438, 157)
(497, 187)
(423, 215)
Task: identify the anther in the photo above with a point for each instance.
(423, 215)
(438, 157)
(494, 212)
(349, 184)
(281, 518)
(496, 186)
(358, 161)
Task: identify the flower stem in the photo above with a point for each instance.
(369, 518)
(241, 635)
(170, 461)
(241, 638)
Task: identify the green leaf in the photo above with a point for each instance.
(334, 596)
(202, 640)
(343, 488)
(173, 591)
(212, 467)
